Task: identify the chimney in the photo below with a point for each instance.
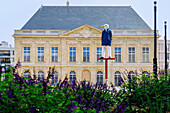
(67, 2)
(41, 7)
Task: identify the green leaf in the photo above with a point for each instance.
(33, 96)
(60, 104)
(26, 78)
(39, 83)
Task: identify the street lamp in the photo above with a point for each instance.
(155, 43)
(166, 65)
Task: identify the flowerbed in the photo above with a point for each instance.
(23, 94)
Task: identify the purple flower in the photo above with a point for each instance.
(83, 83)
(81, 101)
(15, 100)
(74, 106)
(104, 86)
(76, 99)
(102, 104)
(101, 107)
(121, 109)
(19, 64)
(81, 97)
(112, 86)
(32, 109)
(91, 102)
(36, 82)
(65, 91)
(68, 95)
(87, 107)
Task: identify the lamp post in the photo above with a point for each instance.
(155, 43)
(166, 65)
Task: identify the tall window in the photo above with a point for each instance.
(145, 73)
(12, 55)
(168, 47)
(118, 54)
(40, 54)
(99, 77)
(55, 78)
(117, 78)
(72, 76)
(99, 53)
(41, 75)
(131, 74)
(54, 53)
(72, 54)
(145, 51)
(26, 54)
(27, 74)
(131, 54)
(168, 56)
(86, 54)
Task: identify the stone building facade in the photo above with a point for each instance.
(161, 54)
(74, 45)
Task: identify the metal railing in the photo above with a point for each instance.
(6, 61)
(5, 54)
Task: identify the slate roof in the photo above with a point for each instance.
(71, 17)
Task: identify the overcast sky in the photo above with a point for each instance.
(15, 13)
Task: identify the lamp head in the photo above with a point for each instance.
(155, 2)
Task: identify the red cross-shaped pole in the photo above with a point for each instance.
(106, 67)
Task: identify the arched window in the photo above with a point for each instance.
(145, 73)
(54, 78)
(131, 74)
(99, 77)
(72, 76)
(41, 75)
(117, 78)
(27, 74)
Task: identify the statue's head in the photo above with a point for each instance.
(105, 26)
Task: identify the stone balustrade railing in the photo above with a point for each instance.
(58, 32)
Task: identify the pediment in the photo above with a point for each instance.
(83, 31)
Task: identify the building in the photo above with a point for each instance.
(161, 54)
(69, 38)
(6, 54)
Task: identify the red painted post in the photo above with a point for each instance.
(106, 67)
(106, 72)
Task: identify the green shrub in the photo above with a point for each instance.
(26, 94)
(145, 94)
(19, 95)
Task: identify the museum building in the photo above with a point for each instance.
(69, 38)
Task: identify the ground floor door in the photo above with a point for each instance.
(86, 75)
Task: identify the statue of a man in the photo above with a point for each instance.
(106, 40)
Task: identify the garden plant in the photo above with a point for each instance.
(141, 94)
